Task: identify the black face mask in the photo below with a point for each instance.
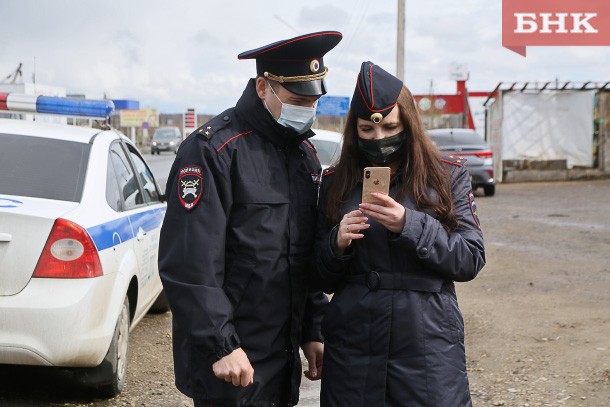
(383, 151)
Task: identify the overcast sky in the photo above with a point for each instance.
(173, 55)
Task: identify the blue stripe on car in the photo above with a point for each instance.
(120, 230)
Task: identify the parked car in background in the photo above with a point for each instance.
(80, 217)
(469, 144)
(328, 146)
(166, 139)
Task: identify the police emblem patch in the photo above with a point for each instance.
(190, 186)
(473, 209)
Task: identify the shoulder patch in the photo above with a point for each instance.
(453, 160)
(190, 186)
(473, 209)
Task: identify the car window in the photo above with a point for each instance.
(146, 178)
(468, 139)
(113, 194)
(457, 138)
(128, 184)
(328, 151)
(42, 167)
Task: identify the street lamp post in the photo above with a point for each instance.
(400, 41)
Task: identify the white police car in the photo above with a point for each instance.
(328, 146)
(80, 216)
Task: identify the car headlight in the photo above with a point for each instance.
(154, 143)
(171, 143)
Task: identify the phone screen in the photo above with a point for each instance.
(375, 179)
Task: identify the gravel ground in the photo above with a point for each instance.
(537, 317)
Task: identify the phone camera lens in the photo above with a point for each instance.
(367, 174)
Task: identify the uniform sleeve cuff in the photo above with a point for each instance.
(332, 259)
(412, 230)
(231, 343)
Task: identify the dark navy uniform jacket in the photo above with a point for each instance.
(236, 244)
(394, 335)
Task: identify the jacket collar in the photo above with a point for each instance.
(251, 109)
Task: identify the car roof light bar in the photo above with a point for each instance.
(73, 107)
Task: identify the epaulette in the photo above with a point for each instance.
(216, 123)
(328, 171)
(453, 160)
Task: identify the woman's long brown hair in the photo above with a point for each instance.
(422, 169)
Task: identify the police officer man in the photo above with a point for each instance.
(237, 239)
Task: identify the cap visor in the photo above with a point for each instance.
(306, 88)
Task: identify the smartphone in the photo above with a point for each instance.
(375, 179)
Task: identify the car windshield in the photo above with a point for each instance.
(42, 168)
(164, 134)
(328, 151)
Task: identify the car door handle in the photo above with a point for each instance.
(141, 234)
(6, 237)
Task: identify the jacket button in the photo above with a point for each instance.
(423, 251)
(226, 118)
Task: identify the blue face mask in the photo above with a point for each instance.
(297, 118)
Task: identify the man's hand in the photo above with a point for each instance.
(235, 368)
(313, 351)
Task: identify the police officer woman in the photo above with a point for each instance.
(394, 335)
(237, 239)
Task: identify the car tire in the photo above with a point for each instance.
(489, 190)
(161, 304)
(108, 378)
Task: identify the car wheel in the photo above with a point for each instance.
(161, 305)
(489, 190)
(107, 379)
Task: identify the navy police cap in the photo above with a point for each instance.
(376, 93)
(296, 63)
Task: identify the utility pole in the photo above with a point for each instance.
(400, 41)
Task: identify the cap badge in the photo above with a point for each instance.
(314, 66)
(376, 117)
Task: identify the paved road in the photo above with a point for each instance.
(160, 165)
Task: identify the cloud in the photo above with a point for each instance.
(174, 55)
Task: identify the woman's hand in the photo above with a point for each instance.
(391, 214)
(350, 228)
